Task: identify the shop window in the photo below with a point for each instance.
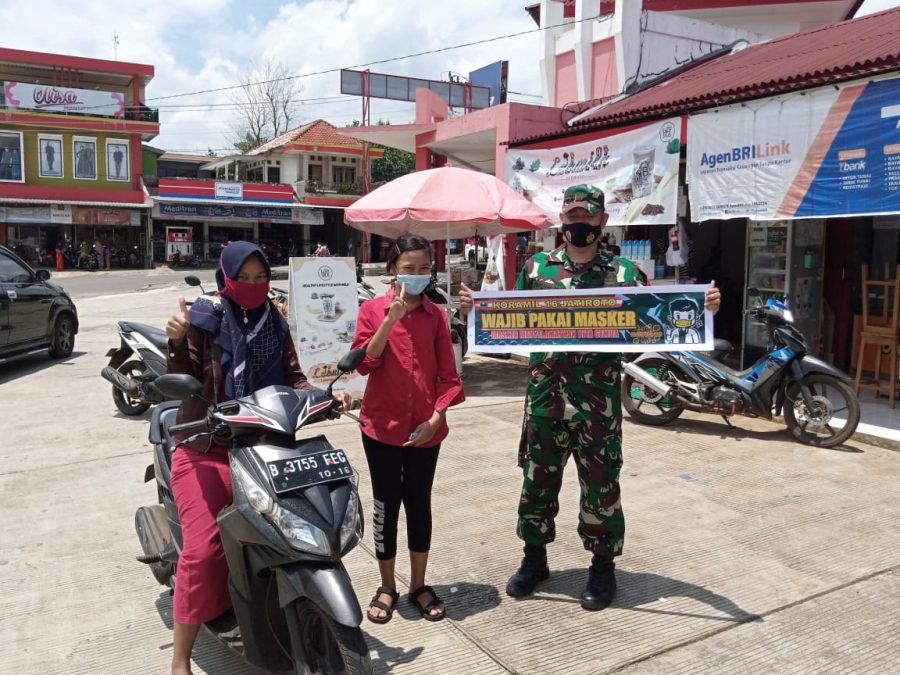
(50, 156)
(117, 164)
(12, 162)
(315, 172)
(274, 174)
(84, 152)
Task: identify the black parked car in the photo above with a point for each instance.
(35, 314)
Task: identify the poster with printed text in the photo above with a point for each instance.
(633, 319)
(637, 171)
(324, 309)
(819, 153)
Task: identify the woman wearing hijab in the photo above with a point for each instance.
(235, 343)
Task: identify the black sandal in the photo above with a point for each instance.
(383, 590)
(426, 610)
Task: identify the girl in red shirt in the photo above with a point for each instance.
(412, 381)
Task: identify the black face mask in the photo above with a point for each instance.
(581, 234)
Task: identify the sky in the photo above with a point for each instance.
(207, 44)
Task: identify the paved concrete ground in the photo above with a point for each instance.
(745, 551)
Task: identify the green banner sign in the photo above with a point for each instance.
(632, 319)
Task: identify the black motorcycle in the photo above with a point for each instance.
(179, 260)
(137, 362)
(819, 404)
(296, 514)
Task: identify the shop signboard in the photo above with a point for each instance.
(324, 310)
(306, 216)
(82, 215)
(637, 171)
(25, 214)
(825, 152)
(56, 214)
(275, 214)
(61, 214)
(639, 319)
(229, 190)
(46, 97)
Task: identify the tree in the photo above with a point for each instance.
(394, 164)
(266, 104)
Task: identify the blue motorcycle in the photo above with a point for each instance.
(819, 404)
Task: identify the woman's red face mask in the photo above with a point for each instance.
(251, 288)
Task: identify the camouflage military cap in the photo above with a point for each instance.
(583, 196)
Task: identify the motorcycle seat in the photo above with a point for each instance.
(154, 335)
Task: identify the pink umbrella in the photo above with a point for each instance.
(443, 203)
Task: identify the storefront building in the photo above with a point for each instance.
(788, 180)
(327, 172)
(70, 153)
(207, 214)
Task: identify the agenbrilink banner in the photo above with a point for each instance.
(637, 171)
(818, 153)
(633, 319)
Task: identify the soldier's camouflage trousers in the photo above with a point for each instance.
(544, 451)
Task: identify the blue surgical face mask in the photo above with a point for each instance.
(415, 283)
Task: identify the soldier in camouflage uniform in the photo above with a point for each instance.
(574, 407)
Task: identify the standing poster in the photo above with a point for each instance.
(324, 308)
(819, 153)
(632, 319)
(637, 171)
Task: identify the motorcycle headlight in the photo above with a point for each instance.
(258, 497)
(788, 316)
(299, 533)
(351, 522)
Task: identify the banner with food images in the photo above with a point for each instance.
(632, 319)
(637, 171)
(324, 308)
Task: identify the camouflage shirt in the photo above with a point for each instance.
(574, 385)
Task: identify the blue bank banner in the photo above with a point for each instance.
(632, 319)
(823, 152)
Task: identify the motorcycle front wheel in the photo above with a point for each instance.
(645, 405)
(831, 416)
(323, 646)
(127, 405)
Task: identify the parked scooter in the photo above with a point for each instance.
(180, 261)
(296, 514)
(657, 388)
(133, 367)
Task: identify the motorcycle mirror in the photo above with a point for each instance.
(351, 360)
(191, 280)
(752, 292)
(178, 386)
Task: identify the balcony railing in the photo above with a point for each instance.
(318, 187)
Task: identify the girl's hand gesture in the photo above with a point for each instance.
(177, 326)
(399, 307)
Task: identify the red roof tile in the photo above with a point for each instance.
(318, 132)
(839, 51)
